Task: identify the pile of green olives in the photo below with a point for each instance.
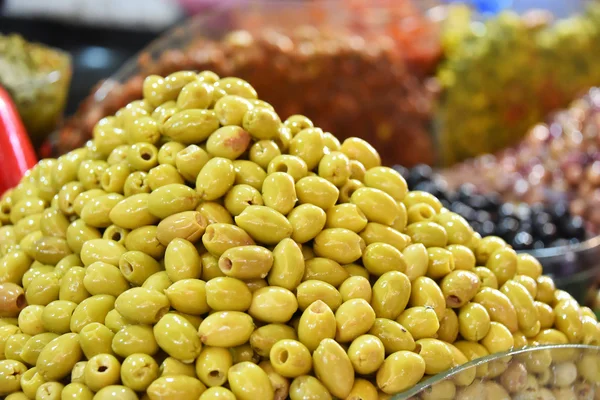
(201, 248)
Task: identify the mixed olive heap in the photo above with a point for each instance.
(200, 248)
(558, 162)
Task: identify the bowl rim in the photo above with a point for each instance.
(417, 389)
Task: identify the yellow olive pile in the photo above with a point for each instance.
(200, 248)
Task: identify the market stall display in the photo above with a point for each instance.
(37, 78)
(357, 68)
(199, 246)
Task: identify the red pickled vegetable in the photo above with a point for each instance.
(16, 152)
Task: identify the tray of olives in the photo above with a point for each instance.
(549, 372)
(202, 247)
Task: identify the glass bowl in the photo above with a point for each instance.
(568, 371)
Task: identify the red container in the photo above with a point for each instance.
(16, 152)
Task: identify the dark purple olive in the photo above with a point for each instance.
(402, 170)
(522, 241)
(418, 174)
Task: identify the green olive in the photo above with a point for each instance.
(237, 325)
(95, 338)
(459, 287)
(400, 371)
(474, 322)
(138, 371)
(212, 365)
(441, 262)
(215, 178)
(326, 270)
(263, 338)
(57, 359)
(241, 196)
(375, 232)
(178, 338)
(312, 290)
(132, 339)
(248, 173)
(421, 322)
(335, 167)
(499, 307)
(188, 225)
(358, 149)
(379, 258)
(458, 229)
(448, 331)
(248, 381)
(340, 245)
(230, 109)
(426, 292)
(333, 368)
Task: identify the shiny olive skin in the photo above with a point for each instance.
(417, 260)
(333, 368)
(132, 339)
(400, 371)
(138, 371)
(237, 325)
(498, 338)
(220, 170)
(182, 260)
(425, 292)
(324, 269)
(308, 387)
(57, 359)
(264, 224)
(189, 296)
(379, 258)
(248, 381)
(366, 354)
(288, 265)
(279, 192)
(421, 322)
(340, 245)
(449, 327)
(290, 358)
(312, 290)
(353, 318)
(375, 232)
(316, 324)
(145, 306)
(474, 322)
(263, 338)
(246, 262)
(527, 316)
(391, 293)
(220, 237)
(178, 338)
(499, 307)
(459, 287)
(273, 304)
